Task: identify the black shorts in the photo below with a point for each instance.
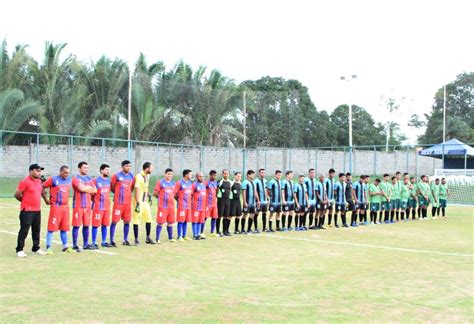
(250, 209)
(362, 206)
(263, 207)
(275, 208)
(289, 207)
(235, 208)
(350, 206)
(301, 209)
(223, 207)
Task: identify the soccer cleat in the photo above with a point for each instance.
(67, 250)
(212, 235)
(345, 225)
(244, 233)
(173, 240)
(297, 229)
(94, 247)
(180, 239)
(236, 232)
(150, 241)
(354, 225)
(21, 254)
(392, 222)
(158, 242)
(278, 229)
(202, 236)
(196, 238)
(87, 247)
(337, 226)
(49, 251)
(311, 227)
(113, 244)
(107, 245)
(76, 249)
(329, 226)
(256, 231)
(126, 243)
(39, 252)
(137, 243)
(290, 229)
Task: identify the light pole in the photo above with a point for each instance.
(347, 79)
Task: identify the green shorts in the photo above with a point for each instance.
(411, 203)
(374, 207)
(403, 204)
(442, 203)
(423, 202)
(395, 204)
(385, 205)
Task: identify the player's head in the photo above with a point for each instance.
(424, 178)
(278, 174)
(237, 176)
(437, 180)
(147, 168)
(300, 178)
(362, 177)
(321, 177)
(342, 177)
(332, 173)
(289, 174)
(413, 180)
(311, 173)
(169, 174)
(225, 174)
(406, 175)
(394, 180)
(126, 166)
(83, 168)
(187, 174)
(35, 171)
(251, 174)
(348, 176)
(386, 176)
(261, 173)
(443, 180)
(377, 181)
(212, 175)
(366, 178)
(104, 170)
(64, 171)
(398, 175)
(200, 177)
(406, 180)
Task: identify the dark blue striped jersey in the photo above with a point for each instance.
(310, 188)
(340, 192)
(274, 186)
(329, 187)
(300, 190)
(261, 185)
(288, 188)
(359, 190)
(249, 191)
(320, 190)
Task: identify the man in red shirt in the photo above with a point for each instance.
(29, 193)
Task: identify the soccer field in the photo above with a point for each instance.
(413, 271)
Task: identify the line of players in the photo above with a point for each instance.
(285, 203)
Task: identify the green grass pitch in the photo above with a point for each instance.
(405, 272)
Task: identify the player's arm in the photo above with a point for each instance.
(318, 195)
(283, 194)
(255, 194)
(113, 183)
(45, 197)
(81, 187)
(138, 194)
(19, 191)
(295, 197)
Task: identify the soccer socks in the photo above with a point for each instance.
(419, 212)
(392, 215)
(278, 223)
(95, 230)
(264, 221)
(335, 219)
(185, 229)
(433, 211)
(63, 235)
(270, 224)
(255, 222)
(159, 227)
(75, 234)
(402, 215)
(413, 213)
(329, 219)
(343, 219)
(290, 221)
(180, 230)
(148, 230)
(201, 227)
(297, 219)
(249, 227)
(283, 221)
(437, 211)
(49, 239)
(195, 229)
(242, 224)
(213, 225)
(424, 212)
(85, 235)
(126, 229)
(311, 217)
(169, 228)
(381, 213)
(443, 210)
(236, 224)
(112, 231)
(397, 215)
(103, 230)
(135, 231)
(218, 225)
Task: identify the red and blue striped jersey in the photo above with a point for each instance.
(81, 199)
(59, 190)
(184, 191)
(102, 197)
(199, 196)
(165, 191)
(211, 187)
(123, 184)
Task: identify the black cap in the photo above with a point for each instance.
(36, 166)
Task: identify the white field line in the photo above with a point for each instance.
(368, 245)
(57, 242)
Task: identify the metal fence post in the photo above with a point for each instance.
(442, 146)
(70, 141)
(416, 165)
(244, 160)
(129, 150)
(375, 161)
(344, 159)
(37, 148)
(103, 151)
